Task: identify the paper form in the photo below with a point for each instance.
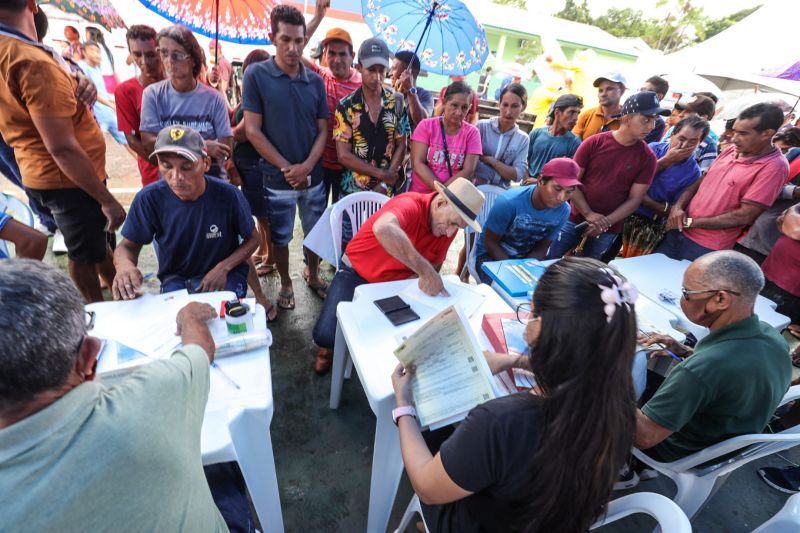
(452, 375)
(470, 300)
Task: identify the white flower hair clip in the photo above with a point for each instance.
(618, 294)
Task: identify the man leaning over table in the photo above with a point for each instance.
(202, 227)
(76, 455)
(732, 381)
(742, 183)
(408, 237)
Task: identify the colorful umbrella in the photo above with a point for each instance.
(444, 34)
(791, 72)
(235, 21)
(95, 11)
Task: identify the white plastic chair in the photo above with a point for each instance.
(359, 206)
(18, 210)
(787, 520)
(668, 515)
(413, 507)
(665, 511)
(490, 192)
(697, 484)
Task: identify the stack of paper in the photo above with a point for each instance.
(468, 298)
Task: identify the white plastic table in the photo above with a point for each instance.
(371, 339)
(236, 422)
(655, 273)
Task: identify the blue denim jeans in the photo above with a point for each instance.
(282, 205)
(10, 169)
(568, 238)
(341, 289)
(252, 185)
(678, 246)
(230, 496)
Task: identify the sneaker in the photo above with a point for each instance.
(643, 471)
(43, 229)
(627, 479)
(783, 479)
(59, 246)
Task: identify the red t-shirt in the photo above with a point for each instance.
(780, 267)
(335, 90)
(610, 170)
(731, 181)
(128, 96)
(373, 263)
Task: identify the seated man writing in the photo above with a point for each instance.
(734, 379)
(91, 457)
(523, 221)
(409, 236)
(202, 226)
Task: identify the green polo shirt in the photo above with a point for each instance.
(730, 386)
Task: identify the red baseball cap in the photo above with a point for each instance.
(562, 169)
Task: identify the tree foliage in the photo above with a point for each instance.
(684, 24)
(522, 4)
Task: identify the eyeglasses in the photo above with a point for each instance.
(90, 316)
(686, 293)
(526, 314)
(175, 56)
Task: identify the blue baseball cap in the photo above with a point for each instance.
(645, 103)
(614, 76)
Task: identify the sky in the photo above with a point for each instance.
(711, 8)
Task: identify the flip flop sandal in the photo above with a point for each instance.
(320, 290)
(289, 296)
(272, 307)
(263, 269)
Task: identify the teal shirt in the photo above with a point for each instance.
(120, 458)
(730, 386)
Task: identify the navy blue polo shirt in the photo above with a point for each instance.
(193, 237)
(290, 108)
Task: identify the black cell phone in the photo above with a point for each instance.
(396, 310)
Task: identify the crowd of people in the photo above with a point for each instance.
(223, 185)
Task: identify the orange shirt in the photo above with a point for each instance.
(591, 121)
(33, 84)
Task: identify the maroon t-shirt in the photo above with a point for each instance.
(610, 170)
(781, 264)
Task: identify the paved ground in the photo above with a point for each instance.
(323, 457)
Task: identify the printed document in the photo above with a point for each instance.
(452, 375)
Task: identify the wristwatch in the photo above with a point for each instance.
(688, 223)
(406, 410)
(413, 90)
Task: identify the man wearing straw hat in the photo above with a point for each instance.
(408, 237)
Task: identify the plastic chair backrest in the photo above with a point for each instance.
(359, 206)
(668, 515)
(490, 193)
(18, 211)
(787, 519)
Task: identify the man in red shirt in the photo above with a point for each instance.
(616, 170)
(409, 236)
(742, 183)
(128, 95)
(340, 79)
(782, 266)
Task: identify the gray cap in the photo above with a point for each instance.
(373, 51)
(180, 140)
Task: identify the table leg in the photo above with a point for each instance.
(387, 467)
(253, 444)
(337, 370)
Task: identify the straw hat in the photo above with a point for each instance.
(465, 198)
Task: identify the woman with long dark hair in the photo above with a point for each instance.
(94, 35)
(544, 460)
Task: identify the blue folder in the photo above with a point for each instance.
(516, 276)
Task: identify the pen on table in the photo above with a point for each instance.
(661, 346)
(225, 376)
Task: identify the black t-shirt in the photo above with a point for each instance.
(490, 454)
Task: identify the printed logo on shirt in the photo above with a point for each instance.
(456, 160)
(214, 232)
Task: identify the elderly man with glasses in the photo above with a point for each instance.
(733, 380)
